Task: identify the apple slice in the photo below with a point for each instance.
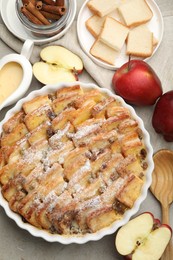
(62, 57)
(133, 232)
(154, 245)
(143, 237)
(52, 74)
(58, 64)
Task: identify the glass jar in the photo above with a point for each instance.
(42, 31)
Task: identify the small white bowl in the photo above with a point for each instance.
(22, 60)
(81, 239)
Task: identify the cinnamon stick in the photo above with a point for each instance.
(27, 2)
(39, 5)
(49, 2)
(50, 16)
(60, 2)
(30, 16)
(41, 11)
(32, 9)
(33, 2)
(54, 9)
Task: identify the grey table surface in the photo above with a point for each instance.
(18, 244)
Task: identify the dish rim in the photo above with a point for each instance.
(81, 239)
(104, 64)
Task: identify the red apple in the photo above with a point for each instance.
(163, 116)
(143, 237)
(137, 83)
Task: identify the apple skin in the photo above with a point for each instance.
(137, 83)
(162, 119)
(165, 225)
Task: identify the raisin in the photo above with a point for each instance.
(51, 97)
(24, 191)
(119, 207)
(24, 220)
(141, 175)
(51, 115)
(102, 189)
(114, 176)
(104, 166)
(145, 165)
(143, 153)
(49, 132)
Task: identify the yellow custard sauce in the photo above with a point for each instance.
(11, 76)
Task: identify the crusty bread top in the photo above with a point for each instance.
(140, 42)
(102, 7)
(83, 160)
(103, 52)
(113, 33)
(135, 12)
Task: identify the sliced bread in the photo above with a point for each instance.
(135, 12)
(140, 42)
(102, 7)
(113, 33)
(94, 24)
(103, 52)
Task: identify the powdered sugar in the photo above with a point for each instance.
(92, 185)
(42, 109)
(79, 174)
(86, 130)
(54, 140)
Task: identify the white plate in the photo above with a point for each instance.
(86, 39)
(81, 239)
(9, 16)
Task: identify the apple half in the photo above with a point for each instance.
(143, 237)
(58, 64)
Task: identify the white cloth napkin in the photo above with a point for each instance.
(101, 76)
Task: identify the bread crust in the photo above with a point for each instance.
(90, 29)
(147, 49)
(95, 9)
(110, 38)
(138, 22)
(100, 56)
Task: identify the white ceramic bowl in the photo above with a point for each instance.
(108, 230)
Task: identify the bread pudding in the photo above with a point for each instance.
(72, 161)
